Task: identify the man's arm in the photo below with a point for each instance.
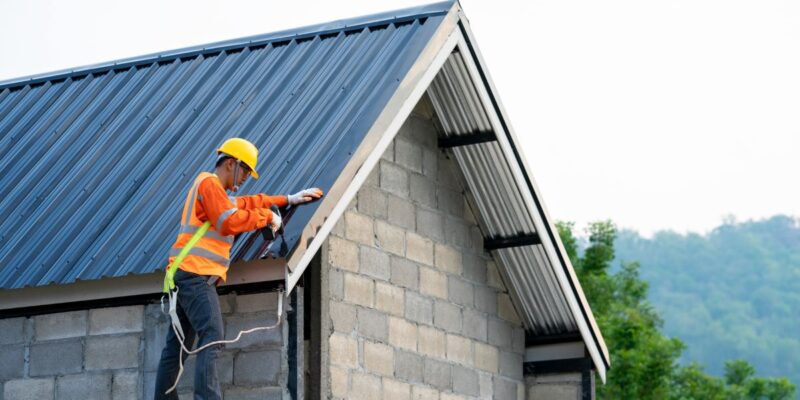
(260, 201)
(226, 217)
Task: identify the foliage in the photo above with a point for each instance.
(732, 292)
(644, 362)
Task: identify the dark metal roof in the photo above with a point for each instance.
(95, 162)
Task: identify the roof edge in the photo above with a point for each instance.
(394, 16)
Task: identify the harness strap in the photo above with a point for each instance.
(169, 279)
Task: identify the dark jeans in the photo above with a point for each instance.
(200, 315)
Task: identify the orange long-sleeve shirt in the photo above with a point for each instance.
(252, 212)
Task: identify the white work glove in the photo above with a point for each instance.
(304, 196)
(276, 222)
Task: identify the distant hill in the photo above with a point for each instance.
(733, 293)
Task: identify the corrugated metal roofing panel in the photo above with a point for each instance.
(95, 164)
(502, 210)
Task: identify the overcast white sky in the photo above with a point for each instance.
(655, 114)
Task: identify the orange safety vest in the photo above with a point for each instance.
(211, 254)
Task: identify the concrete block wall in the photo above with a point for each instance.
(566, 386)
(412, 305)
(113, 353)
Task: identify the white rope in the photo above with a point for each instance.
(176, 328)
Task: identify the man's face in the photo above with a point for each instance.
(244, 172)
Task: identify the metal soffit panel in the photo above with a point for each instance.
(502, 211)
(95, 165)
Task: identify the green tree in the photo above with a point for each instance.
(643, 360)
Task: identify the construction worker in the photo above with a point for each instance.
(206, 263)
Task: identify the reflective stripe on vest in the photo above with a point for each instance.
(190, 224)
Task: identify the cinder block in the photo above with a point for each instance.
(432, 283)
(431, 342)
(125, 386)
(487, 357)
(404, 273)
(365, 387)
(343, 317)
(408, 154)
(447, 175)
(437, 374)
(56, 358)
(402, 334)
(460, 291)
(12, 330)
(499, 333)
(155, 336)
(388, 155)
(486, 385)
(336, 283)
(475, 324)
(401, 212)
(424, 393)
(465, 381)
(505, 308)
(12, 361)
(457, 232)
(258, 393)
(447, 316)
(396, 390)
(29, 389)
(260, 367)
(378, 358)
(225, 363)
(372, 201)
(60, 325)
(373, 179)
(250, 303)
(340, 379)
(450, 201)
(374, 263)
(505, 389)
(418, 308)
(447, 258)
(84, 386)
(394, 179)
(115, 352)
(430, 224)
(518, 340)
(226, 303)
(511, 365)
(343, 254)
(548, 392)
(373, 324)
(359, 290)
(343, 350)
(390, 238)
(116, 320)
(419, 249)
(408, 366)
(358, 228)
(421, 127)
(389, 299)
(475, 269)
(430, 162)
(486, 299)
(493, 277)
(237, 323)
(459, 349)
(452, 396)
(423, 191)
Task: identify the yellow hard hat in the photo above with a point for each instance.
(243, 151)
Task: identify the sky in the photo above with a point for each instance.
(655, 114)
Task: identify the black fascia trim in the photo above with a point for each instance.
(500, 242)
(467, 139)
(532, 339)
(557, 366)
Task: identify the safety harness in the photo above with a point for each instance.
(171, 291)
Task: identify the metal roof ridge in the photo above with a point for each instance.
(417, 12)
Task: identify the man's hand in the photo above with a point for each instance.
(304, 196)
(276, 222)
